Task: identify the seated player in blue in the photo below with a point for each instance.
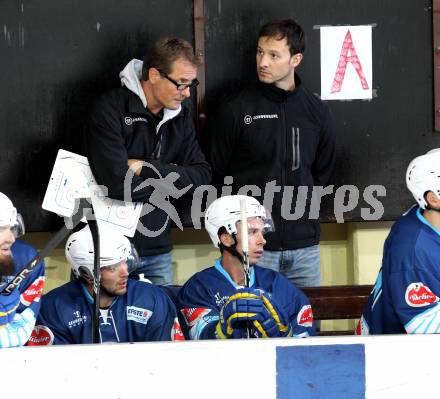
(405, 298)
(130, 310)
(215, 303)
(19, 309)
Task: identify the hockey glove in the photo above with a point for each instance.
(235, 315)
(271, 321)
(8, 306)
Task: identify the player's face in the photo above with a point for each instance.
(114, 278)
(255, 238)
(7, 238)
(275, 65)
(166, 93)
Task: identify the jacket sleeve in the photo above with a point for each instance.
(105, 149)
(323, 167)
(198, 309)
(164, 325)
(224, 132)
(297, 308)
(415, 296)
(302, 318)
(192, 167)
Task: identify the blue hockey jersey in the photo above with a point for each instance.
(405, 297)
(202, 297)
(144, 313)
(17, 332)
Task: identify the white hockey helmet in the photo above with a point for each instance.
(423, 174)
(114, 248)
(10, 217)
(225, 212)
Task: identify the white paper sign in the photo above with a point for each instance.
(346, 62)
(72, 178)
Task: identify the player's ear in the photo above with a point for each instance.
(296, 59)
(153, 75)
(432, 200)
(226, 239)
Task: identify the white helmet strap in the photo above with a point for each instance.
(232, 249)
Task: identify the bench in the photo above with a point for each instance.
(338, 302)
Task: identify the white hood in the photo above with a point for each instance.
(130, 78)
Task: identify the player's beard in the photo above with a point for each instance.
(110, 293)
(7, 266)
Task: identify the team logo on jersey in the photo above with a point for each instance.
(192, 315)
(138, 315)
(33, 292)
(78, 320)
(220, 300)
(418, 294)
(41, 335)
(248, 119)
(129, 121)
(305, 316)
(176, 332)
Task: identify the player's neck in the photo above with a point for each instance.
(104, 299)
(234, 268)
(287, 84)
(153, 105)
(433, 217)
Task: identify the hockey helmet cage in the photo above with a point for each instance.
(423, 174)
(225, 212)
(114, 248)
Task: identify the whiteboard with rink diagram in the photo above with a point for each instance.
(72, 178)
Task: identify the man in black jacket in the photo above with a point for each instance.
(279, 138)
(142, 133)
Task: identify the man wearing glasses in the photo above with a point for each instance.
(144, 127)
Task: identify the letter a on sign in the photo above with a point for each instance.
(346, 62)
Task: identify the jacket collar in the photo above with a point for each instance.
(280, 95)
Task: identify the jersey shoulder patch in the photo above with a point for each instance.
(41, 336)
(418, 295)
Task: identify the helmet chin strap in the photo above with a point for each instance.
(233, 250)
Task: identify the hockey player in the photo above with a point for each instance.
(405, 298)
(19, 309)
(130, 310)
(214, 302)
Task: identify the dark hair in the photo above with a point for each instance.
(164, 52)
(289, 29)
(221, 230)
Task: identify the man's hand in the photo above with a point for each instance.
(271, 320)
(235, 315)
(135, 165)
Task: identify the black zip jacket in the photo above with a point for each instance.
(120, 128)
(266, 134)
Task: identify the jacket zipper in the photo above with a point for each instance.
(295, 149)
(158, 141)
